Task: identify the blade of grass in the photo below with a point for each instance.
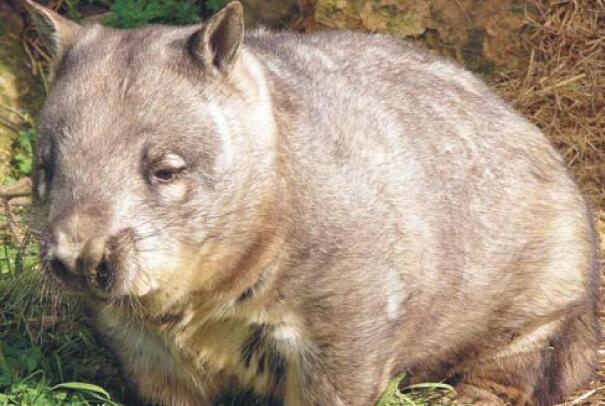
(435, 385)
(83, 386)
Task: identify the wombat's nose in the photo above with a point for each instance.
(59, 268)
(77, 251)
(89, 263)
(102, 276)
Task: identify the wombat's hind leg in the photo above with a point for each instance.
(492, 383)
(472, 395)
(572, 357)
(538, 367)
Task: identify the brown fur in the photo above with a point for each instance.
(308, 216)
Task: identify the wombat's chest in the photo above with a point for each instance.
(252, 355)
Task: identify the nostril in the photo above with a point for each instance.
(80, 266)
(103, 274)
(59, 269)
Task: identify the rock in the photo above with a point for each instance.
(481, 34)
(398, 17)
(270, 13)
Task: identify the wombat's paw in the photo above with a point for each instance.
(472, 395)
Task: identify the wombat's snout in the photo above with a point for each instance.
(77, 253)
(100, 275)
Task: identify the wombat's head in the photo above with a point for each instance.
(154, 159)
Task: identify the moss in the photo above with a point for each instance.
(472, 53)
(339, 13)
(438, 16)
(7, 134)
(404, 25)
(19, 89)
(402, 20)
(516, 7)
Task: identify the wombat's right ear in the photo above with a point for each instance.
(217, 43)
(58, 32)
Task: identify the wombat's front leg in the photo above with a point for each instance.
(323, 377)
(166, 384)
(151, 369)
(169, 391)
(310, 390)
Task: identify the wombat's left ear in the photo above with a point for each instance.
(217, 43)
(58, 32)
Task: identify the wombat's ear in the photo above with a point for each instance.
(217, 42)
(58, 32)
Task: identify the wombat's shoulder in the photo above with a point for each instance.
(393, 70)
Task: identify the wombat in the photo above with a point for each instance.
(309, 216)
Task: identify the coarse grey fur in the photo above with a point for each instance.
(309, 216)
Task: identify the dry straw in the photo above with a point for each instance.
(562, 90)
(562, 87)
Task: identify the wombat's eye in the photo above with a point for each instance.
(165, 175)
(167, 169)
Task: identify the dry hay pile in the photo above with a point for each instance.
(562, 87)
(562, 90)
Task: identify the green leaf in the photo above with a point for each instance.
(215, 5)
(83, 386)
(32, 357)
(61, 395)
(73, 10)
(23, 152)
(132, 13)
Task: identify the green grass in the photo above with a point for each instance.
(46, 357)
(132, 13)
(22, 152)
(416, 395)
